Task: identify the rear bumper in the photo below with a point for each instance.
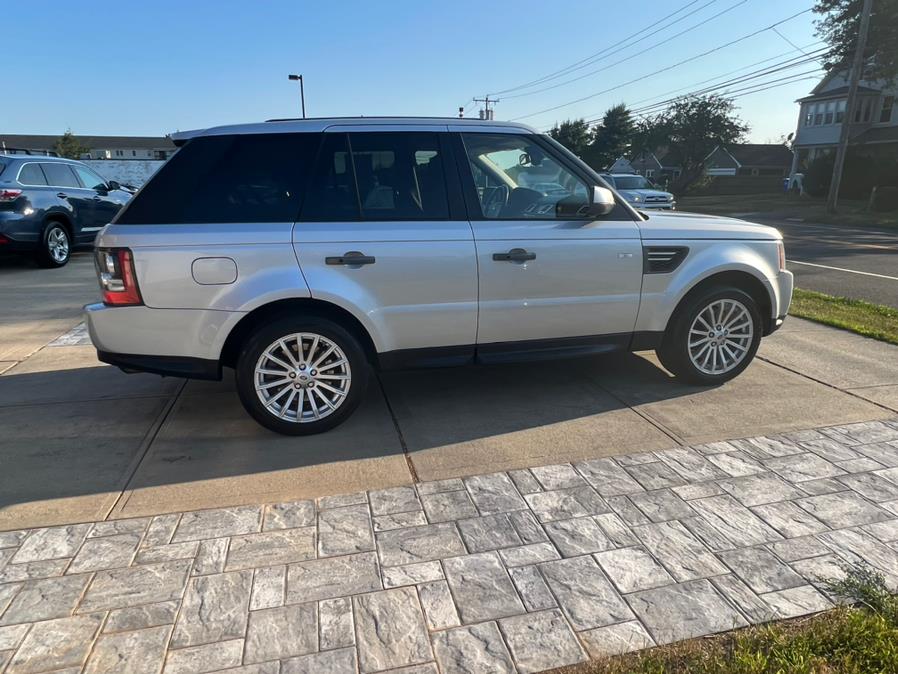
(167, 366)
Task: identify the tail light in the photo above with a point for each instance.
(9, 194)
(115, 268)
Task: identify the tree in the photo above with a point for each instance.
(70, 147)
(694, 126)
(574, 134)
(612, 138)
(839, 25)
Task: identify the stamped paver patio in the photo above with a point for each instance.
(506, 572)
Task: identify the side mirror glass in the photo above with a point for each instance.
(601, 201)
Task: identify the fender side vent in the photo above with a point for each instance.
(662, 259)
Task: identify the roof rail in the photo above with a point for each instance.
(22, 150)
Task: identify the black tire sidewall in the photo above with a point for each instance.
(674, 353)
(44, 258)
(264, 337)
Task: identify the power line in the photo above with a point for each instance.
(665, 69)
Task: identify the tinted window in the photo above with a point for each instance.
(245, 178)
(60, 175)
(31, 174)
(89, 179)
(399, 176)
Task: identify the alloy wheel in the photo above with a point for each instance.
(720, 336)
(58, 244)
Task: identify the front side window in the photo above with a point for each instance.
(31, 174)
(89, 179)
(60, 175)
(516, 178)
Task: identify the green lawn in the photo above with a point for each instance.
(864, 318)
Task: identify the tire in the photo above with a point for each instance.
(697, 363)
(276, 405)
(55, 246)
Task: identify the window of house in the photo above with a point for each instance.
(808, 115)
(133, 153)
(885, 115)
(840, 111)
(650, 173)
(830, 112)
(818, 114)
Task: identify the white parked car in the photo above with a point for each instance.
(304, 253)
(641, 192)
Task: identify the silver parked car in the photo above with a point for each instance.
(302, 253)
(641, 192)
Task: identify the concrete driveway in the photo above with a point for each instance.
(83, 442)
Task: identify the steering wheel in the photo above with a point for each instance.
(495, 201)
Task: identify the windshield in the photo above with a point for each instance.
(633, 183)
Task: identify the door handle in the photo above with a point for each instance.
(351, 259)
(62, 195)
(514, 255)
(98, 198)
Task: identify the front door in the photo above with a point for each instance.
(61, 176)
(547, 275)
(106, 206)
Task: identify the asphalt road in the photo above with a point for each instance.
(861, 263)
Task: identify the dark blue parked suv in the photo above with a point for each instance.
(48, 206)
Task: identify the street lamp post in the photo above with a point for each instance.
(302, 93)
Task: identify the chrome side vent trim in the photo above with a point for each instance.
(662, 259)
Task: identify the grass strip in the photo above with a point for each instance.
(865, 318)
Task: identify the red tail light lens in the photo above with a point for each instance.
(118, 281)
(9, 195)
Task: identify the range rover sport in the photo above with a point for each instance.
(302, 253)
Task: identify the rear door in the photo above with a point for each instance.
(384, 234)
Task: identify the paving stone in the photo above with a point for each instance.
(262, 668)
(142, 617)
(335, 624)
(528, 528)
(281, 546)
(821, 570)
(844, 509)
(12, 539)
(636, 458)
(149, 584)
(874, 487)
(539, 641)
(862, 433)
(52, 543)
(208, 658)
(736, 523)
(167, 553)
(161, 530)
(578, 536)
(7, 592)
(607, 477)
(753, 490)
(883, 453)
(269, 585)
(426, 668)
(802, 467)
(614, 528)
(532, 588)
(399, 520)
(688, 492)
(115, 527)
(803, 435)
(394, 500)
(656, 475)
(5, 657)
(488, 533)
(891, 506)
(437, 486)
(282, 632)
(525, 555)
(494, 493)
(343, 531)
(419, 544)
(56, 644)
(714, 448)
(629, 513)
(789, 520)
(11, 636)
(211, 556)
(736, 464)
(411, 574)
(690, 464)
(742, 597)
(885, 531)
(632, 569)
(829, 449)
(825, 486)
(341, 661)
(390, 630)
(855, 545)
(439, 609)
(604, 642)
(481, 587)
(792, 549)
(681, 553)
(524, 481)
(342, 500)
(767, 447)
(796, 601)
(472, 650)
(661, 505)
(584, 593)
(291, 515)
(708, 535)
(332, 577)
(447, 506)
(683, 611)
(862, 465)
(558, 476)
(214, 609)
(5, 555)
(45, 599)
(195, 526)
(140, 652)
(761, 570)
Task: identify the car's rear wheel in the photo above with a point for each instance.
(713, 337)
(55, 246)
(301, 376)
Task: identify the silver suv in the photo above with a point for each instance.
(302, 253)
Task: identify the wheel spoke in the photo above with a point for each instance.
(328, 352)
(286, 350)
(286, 405)
(330, 366)
(270, 356)
(330, 388)
(269, 384)
(276, 397)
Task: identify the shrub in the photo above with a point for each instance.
(860, 174)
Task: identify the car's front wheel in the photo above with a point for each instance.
(55, 246)
(713, 336)
(300, 376)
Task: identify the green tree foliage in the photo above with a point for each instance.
(574, 134)
(612, 138)
(862, 172)
(839, 24)
(69, 146)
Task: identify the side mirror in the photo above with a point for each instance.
(113, 185)
(601, 201)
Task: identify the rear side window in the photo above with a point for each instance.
(60, 175)
(243, 178)
(31, 174)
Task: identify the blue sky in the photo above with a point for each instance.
(150, 68)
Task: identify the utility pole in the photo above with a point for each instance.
(857, 68)
(486, 112)
(302, 93)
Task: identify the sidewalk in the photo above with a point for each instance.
(516, 571)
